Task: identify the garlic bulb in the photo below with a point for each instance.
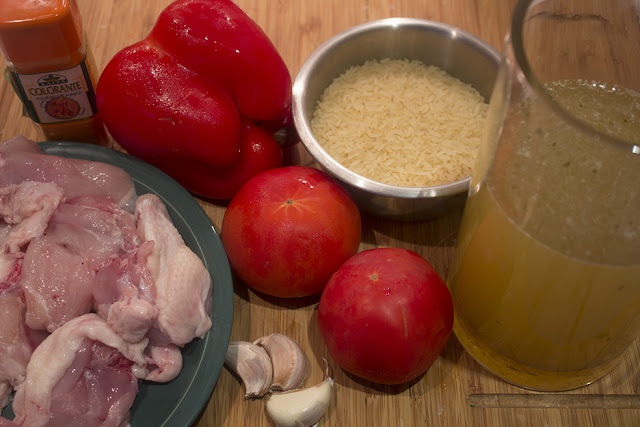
(288, 360)
(252, 364)
(301, 408)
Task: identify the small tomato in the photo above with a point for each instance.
(385, 315)
(288, 229)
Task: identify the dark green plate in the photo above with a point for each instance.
(179, 402)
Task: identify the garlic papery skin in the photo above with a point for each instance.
(252, 364)
(288, 360)
(300, 408)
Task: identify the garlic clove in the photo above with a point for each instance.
(300, 408)
(288, 360)
(252, 364)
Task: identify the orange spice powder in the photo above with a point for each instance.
(50, 67)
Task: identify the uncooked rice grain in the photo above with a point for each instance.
(401, 122)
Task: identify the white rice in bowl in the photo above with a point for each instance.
(401, 122)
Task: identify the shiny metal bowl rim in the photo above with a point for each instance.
(329, 163)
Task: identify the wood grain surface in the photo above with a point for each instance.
(456, 391)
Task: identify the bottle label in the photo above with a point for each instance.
(57, 96)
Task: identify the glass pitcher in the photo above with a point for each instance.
(546, 272)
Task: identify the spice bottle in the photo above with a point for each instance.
(50, 67)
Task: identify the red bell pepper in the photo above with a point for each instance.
(199, 97)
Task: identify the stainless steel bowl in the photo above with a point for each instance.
(461, 54)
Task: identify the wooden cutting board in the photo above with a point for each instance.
(456, 391)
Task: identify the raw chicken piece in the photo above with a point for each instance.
(95, 228)
(19, 144)
(57, 284)
(25, 209)
(164, 361)
(122, 294)
(15, 348)
(91, 380)
(17, 340)
(131, 317)
(10, 271)
(182, 283)
(84, 235)
(97, 390)
(28, 205)
(22, 160)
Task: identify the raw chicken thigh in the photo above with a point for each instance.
(22, 160)
(97, 290)
(182, 283)
(28, 207)
(84, 235)
(57, 284)
(182, 289)
(123, 294)
(94, 227)
(90, 381)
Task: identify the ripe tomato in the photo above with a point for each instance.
(287, 230)
(385, 315)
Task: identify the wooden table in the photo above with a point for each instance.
(440, 397)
